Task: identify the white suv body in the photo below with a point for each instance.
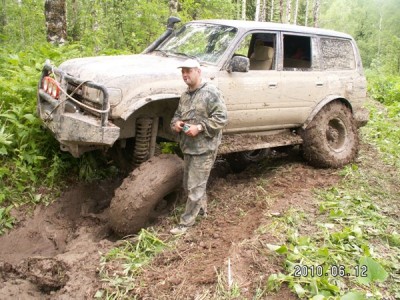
(277, 80)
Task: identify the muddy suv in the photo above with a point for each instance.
(283, 85)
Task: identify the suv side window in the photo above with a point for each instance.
(260, 48)
(337, 54)
(297, 52)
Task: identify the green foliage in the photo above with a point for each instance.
(384, 88)
(204, 9)
(354, 231)
(31, 163)
(375, 29)
(124, 24)
(170, 148)
(6, 220)
(22, 23)
(121, 265)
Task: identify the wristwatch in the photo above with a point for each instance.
(199, 128)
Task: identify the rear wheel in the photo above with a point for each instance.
(240, 160)
(135, 200)
(331, 139)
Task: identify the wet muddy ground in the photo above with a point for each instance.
(53, 253)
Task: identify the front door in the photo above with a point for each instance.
(253, 98)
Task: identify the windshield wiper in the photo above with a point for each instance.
(186, 55)
(164, 52)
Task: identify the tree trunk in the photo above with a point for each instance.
(3, 16)
(281, 11)
(296, 11)
(306, 16)
(288, 11)
(316, 12)
(272, 11)
(257, 14)
(56, 21)
(173, 7)
(264, 11)
(243, 9)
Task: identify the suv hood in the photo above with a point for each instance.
(107, 69)
(129, 78)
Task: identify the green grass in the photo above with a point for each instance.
(356, 228)
(121, 265)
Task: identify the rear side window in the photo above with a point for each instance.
(297, 52)
(337, 54)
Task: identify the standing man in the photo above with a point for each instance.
(199, 119)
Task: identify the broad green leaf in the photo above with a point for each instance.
(299, 290)
(318, 297)
(375, 271)
(353, 296)
(278, 249)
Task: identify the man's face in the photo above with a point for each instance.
(191, 76)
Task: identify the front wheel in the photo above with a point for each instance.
(135, 200)
(331, 139)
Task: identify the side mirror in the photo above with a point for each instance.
(239, 64)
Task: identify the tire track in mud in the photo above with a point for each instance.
(54, 252)
(238, 205)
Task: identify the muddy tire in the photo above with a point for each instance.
(240, 160)
(331, 139)
(133, 204)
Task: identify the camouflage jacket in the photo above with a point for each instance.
(203, 106)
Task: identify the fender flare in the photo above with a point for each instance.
(321, 104)
(143, 101)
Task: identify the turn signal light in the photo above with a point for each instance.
(51, 87)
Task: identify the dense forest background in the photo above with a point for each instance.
(31, 31)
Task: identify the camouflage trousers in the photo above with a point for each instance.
(197, 169)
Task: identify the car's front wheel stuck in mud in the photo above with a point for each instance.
(135, 200)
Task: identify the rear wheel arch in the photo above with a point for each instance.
(331, 138)
(324, 103)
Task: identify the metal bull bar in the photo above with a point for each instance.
(64, 79)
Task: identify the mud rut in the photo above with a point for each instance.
(54, 251)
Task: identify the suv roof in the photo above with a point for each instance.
(248, 25)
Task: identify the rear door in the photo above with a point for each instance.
(303, 85)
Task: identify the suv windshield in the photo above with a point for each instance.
(206, 42)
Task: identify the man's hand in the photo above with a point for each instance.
(192, 131)
(178, 127)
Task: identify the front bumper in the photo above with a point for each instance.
(78, 127)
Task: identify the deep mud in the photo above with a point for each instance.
(53, 253)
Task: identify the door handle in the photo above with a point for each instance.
(319, 84)
(272, 85)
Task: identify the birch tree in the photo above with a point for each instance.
(56, 21)
(281, 11)
(243, 9)
(272, 11)
(257, 13)
(316, 12)
(306, 16)
(288, 11)
(263, 10)
(296, 11)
